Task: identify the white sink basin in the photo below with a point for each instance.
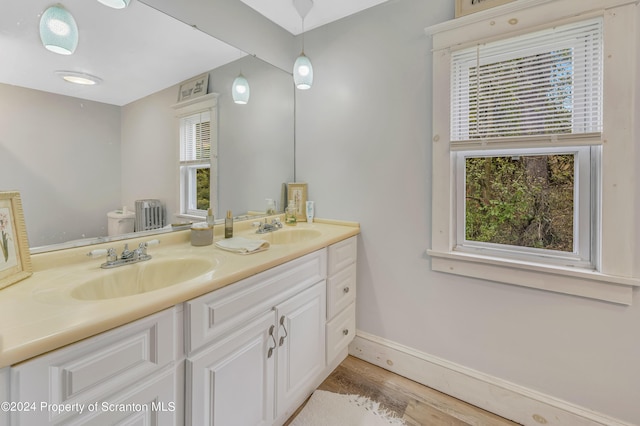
(141, 278)
(291, 235)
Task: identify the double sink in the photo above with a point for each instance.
(159, 273)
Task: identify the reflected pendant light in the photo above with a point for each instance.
(58, 30)
(302, 69)
(240, 90)
(116, 4)
(303, 72)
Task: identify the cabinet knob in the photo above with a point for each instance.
(346, 290)
(345, 331)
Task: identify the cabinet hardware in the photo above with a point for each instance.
(270, 353)
(345, 331)
(346, 290)
(285, 330)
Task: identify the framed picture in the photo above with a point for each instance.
(465, 7)
(298, 193)
(15, 260)
(194, 88)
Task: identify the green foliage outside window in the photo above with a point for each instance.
(524, 201)
(202, 185)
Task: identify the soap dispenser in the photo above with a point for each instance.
(271, 206)
(228, 225)
(210, 219)
(291, 214)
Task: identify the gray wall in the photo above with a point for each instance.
(63, 155)
(363, 136)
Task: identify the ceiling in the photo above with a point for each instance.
(134, 50)
(283, 12)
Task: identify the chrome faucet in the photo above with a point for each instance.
(269, 227)
(127, 257)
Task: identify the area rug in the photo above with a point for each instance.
(332, 409)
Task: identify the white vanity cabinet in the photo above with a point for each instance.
(123, 376)
(246, 354)
(4, 394)
(256, 348)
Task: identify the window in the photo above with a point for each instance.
(537, 204)
(198, 157)
(537, 201)
(530, 147)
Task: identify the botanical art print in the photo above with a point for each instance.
(7, 257)
(15, 260)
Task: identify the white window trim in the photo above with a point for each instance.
(617, 275)
(186, 108)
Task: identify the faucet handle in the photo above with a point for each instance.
(111, 255)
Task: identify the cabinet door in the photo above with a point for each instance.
(149, 403)
(92, 369)
(301, 346)
(231, 382)
(4, 394)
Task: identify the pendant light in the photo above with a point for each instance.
(302, 68)
(116, 4)
(240, 90)
(58, 30)
(303, 72)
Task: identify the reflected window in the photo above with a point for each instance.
(196, 154)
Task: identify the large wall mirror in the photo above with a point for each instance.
(76, 153)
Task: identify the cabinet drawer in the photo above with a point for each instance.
(210, 316)
(342, 254)
(341, 290)
(90, 369)
(340, 332)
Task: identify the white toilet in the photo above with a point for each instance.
(120, 222)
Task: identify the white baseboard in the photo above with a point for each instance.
(508, 400)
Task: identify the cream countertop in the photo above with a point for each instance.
(37, 315)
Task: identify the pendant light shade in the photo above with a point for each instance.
(116, 4)
(303, 72)
(240, 90)
(58, 30)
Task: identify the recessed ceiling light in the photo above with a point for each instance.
(116, 4)
(79, 78)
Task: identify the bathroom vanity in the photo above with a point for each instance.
(243, 342)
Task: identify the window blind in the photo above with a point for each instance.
(196, 137)
(543, 83)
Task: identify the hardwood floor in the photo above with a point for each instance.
(416, 404)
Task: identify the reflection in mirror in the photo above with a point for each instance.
(74, 158)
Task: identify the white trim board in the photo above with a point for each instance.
(506, 399)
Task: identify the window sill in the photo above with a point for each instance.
(574, 281)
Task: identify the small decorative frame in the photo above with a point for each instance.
(465, 7)
(15, 260)
(194, 87)
(298, 193)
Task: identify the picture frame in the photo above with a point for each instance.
(298, 192)
(466, 7)
(15, 258)
(194, 88)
